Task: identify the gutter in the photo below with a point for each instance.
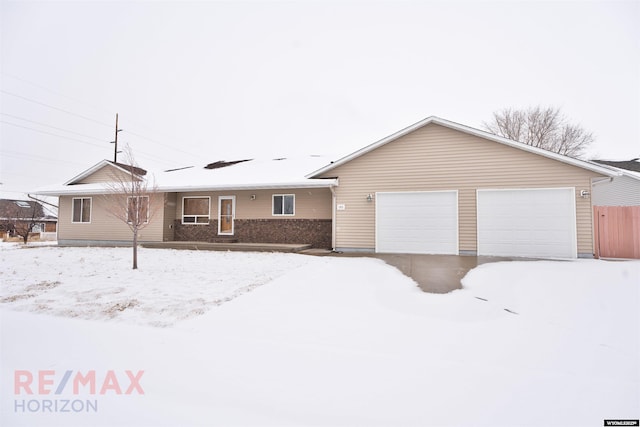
(78, 189)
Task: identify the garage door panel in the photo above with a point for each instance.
(527, 222)
(419, 222)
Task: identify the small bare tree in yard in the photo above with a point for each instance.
(20, 217)
(25, 226)
(540, 127)
(132, 199)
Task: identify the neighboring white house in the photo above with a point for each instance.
(621, 190)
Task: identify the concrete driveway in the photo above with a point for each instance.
(433, 273)
(436, 273)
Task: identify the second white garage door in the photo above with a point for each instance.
(527, 222)
(417, 222)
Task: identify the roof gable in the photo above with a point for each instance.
(469, 130)
(119, 167)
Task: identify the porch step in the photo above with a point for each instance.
(224, 240)
(247, 247)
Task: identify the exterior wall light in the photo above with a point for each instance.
(369, 197)
(585, 194)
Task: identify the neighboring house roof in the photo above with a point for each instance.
(23, 210)
(630, 165)
(621, 171)
(255, 174)
(469, 130)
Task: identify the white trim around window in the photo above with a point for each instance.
(196, 218)
(283, 204)
(85, 205)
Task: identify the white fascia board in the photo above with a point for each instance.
(101, 188)
(472, 131)
(320, 183)
(620, 171)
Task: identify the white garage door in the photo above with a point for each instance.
(420, 222)
(527, 222)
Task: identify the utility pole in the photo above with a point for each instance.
(115, 150)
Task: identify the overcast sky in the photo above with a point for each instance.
(196, 82)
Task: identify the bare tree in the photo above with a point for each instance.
(542, 127)
(20, 217)
(132, 199)
(25, 225)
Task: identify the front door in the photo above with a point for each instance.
(226, 214)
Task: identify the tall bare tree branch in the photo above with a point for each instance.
(542, 127)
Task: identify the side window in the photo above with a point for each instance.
(284, 204)
(81, 207)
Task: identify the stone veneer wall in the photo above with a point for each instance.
(316, 232)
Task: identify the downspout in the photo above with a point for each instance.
(333, 215)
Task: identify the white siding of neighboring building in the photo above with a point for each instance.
(621, 191)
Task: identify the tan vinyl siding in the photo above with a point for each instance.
(105, 174)
(169, 216)
(103, 225)
(313, 203)
(438, 158)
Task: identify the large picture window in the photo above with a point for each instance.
(196, 210)
(284, 204)
(138, 209)
(81, 208)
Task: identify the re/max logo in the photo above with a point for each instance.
(43, 382)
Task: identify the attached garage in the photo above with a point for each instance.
(513, 199)
(538, 222)
(417, 222)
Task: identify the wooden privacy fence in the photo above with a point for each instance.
(617, 231)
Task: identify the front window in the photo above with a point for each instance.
(138, 210)
(81, 208)
(284, 204)
(196, 210)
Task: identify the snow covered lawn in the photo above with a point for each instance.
(323, 341)
(98, 283)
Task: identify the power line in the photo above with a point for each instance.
(160, 143)
(52, 91)
(15, 154)
(50, 126)
(55, 108)
(145, 154)
(52, 134)
(81, 116)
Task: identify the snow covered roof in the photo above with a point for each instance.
(472, 131)
(249, 174)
